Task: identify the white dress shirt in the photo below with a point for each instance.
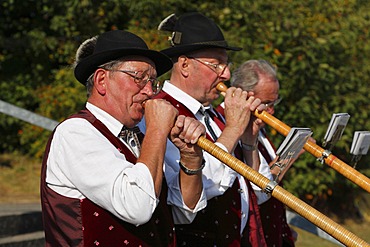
(83, 163)
(264, 165)
(217, 177)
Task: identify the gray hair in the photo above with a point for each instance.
(247, 75)
(111, 65)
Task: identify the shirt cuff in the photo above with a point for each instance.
(229, 174)
(185, 215)
(181, 212)
(140, 175)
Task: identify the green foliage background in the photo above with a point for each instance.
(321, 49)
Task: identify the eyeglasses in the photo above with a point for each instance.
(142, 78)
(219, 68)
(273, 103)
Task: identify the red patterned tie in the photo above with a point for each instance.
(130, 136)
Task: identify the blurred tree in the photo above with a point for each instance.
(37, 39)
(322, 56)
(320, 47)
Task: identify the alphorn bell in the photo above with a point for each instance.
(311, 147)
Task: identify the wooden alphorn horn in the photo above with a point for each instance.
(326, 224)
(331, 160)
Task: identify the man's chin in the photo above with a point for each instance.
(138, 118)
(215, 93)
(217, 96)
(137, 115)
(210, 98)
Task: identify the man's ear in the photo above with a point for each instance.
(100, 81)
(183, 64)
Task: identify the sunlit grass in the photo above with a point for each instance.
(19, 179)
(307, 239)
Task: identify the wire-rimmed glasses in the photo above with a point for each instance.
(218, 68)
(141, 78)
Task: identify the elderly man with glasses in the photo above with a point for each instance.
(259, 77)
(199, 52)
(100, 185)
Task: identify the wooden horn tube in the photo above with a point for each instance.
(311, 147)
(326, 224)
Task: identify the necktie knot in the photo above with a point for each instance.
(130, 137)
(206, 112)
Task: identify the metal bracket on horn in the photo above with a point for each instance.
(325, 154)
(270, 187)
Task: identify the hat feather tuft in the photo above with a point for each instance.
(168, 24)
(85, 49)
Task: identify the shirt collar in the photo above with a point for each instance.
(109, 121)
(192, 104)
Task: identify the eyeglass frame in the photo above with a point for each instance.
(273, 103)
(213, 65)
(156, 84)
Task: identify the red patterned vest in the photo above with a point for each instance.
(273, 215)
(74, 222)
(219, 223)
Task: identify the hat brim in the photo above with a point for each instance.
(88, 65)
(183, 49)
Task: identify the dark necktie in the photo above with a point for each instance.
(217, 118)
(129, 136)
(264, 152)
(208, 125)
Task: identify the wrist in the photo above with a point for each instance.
(189, 171)
(250, 147)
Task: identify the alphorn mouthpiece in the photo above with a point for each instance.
(221, 87)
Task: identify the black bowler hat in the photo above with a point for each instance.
(193, 31)
(114, 45)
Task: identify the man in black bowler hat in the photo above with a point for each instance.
(199, 52)
(100, 185)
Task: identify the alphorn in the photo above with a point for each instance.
(331, 160)
(326, 224)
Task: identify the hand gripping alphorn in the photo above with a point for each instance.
(326, 224)
(331, 160)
